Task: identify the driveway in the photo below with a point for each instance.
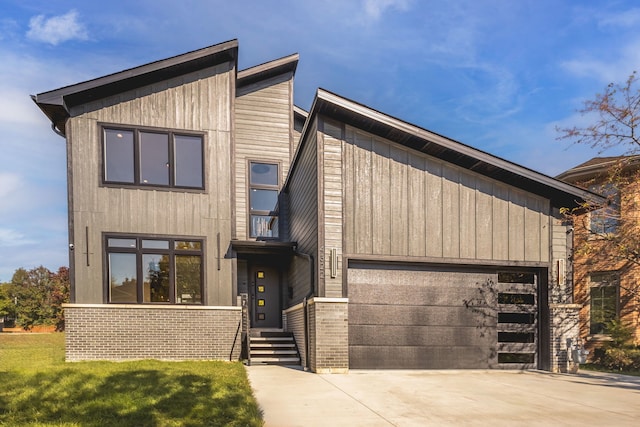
(291, 397)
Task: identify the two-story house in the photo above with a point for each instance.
(205, 207)
(606, 264)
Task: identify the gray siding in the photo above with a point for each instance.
(263, 132)
(303, 214)
(398, 202)
(200, 102)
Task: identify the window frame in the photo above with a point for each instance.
(140, 251)
(274, 214)
(137, 164)
(605, 220)
(612, 279)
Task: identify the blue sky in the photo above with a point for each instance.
(497, 75)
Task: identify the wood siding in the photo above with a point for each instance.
(304, 216)
(200, 102)
(263, 132)
(398, 202)
(332, 206)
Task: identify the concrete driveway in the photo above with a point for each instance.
(291, 397)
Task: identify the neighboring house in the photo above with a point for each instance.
(606, 284)
(205, 207)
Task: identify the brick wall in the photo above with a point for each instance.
(564, 324)
(124, 332)
(329, 335)
(294, 322)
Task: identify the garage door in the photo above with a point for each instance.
(431, 317)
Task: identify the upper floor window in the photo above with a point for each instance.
(606, 219)
(263, 199)
(153, 158)
(154, 270)
(603, 293)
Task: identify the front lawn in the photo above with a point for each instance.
(38, 388)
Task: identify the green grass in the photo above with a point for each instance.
(37, 388)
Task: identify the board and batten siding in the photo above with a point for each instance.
(398, 202)
(303, 215)
(263, 132)
(200, 102)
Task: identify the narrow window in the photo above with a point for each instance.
(154, 270)
(605, 220)
(263, 199)
(603, 305)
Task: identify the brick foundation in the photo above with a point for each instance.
(329, 335)
(129, 332)
(564, 325)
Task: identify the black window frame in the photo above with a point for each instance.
(274, 214)
(140, 251)
(137, 131)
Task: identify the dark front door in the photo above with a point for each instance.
(265, 283)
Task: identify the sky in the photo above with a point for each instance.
(498, 75)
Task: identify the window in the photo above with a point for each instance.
(154, 270)
(263, 199)
(603, 302)
(153, 158)
(606, 220)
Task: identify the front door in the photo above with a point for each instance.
(265, 283)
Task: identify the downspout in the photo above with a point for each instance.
(312, 290)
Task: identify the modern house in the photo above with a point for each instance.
(207, 212)
(605, 273)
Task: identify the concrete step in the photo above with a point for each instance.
(276, 361)
(255, 353)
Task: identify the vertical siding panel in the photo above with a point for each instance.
(434, 209)
(417, 211)
(398, 201)
(451, 212)
(532, 224)
(500, 221)
(467, 216)
(484, 219)
(363, 195)
(381, 208)
(545, 231)
(348, 192)
(516, 225)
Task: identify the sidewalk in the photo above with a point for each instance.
(292, 397)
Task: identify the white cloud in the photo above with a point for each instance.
(57, 29)
(12, 238)
(374, 9)
(626, 19)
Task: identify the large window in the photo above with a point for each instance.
(153, 158)
(606, 219)
(603, 305)
(263, 199)
(154, 270)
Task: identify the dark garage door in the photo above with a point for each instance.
(428, 317)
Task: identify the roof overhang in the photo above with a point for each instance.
(57, 103)
(599, 167)
(287, 64)
(560, 194)
(263, 247)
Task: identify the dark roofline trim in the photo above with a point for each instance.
(325, 99)
(286, 64)
(56, 103)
